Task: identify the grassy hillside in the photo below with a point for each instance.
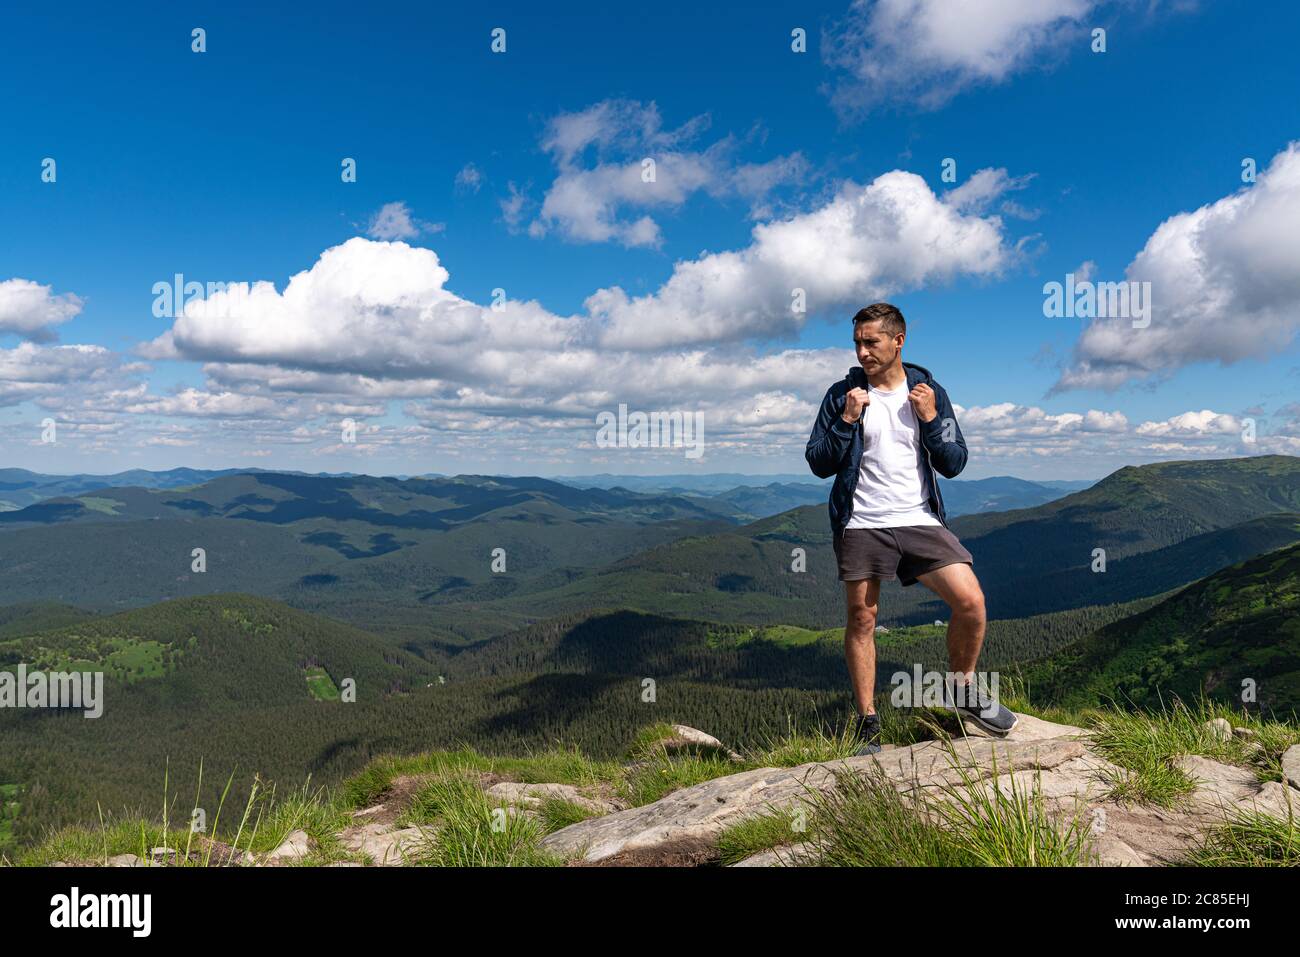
(108, 565)
(38, 616)
(243, 682)
(1138, 509)
(237, 682)
(442, 813)
(1240, 623)
(248, 683)
(1146, 573)
(234, 679)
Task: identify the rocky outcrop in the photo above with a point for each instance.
(294, 847)
(706, 808)
(1056, 760)
(384, 844)
(532, 796)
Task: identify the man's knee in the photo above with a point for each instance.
(862, 618)
(968, 602)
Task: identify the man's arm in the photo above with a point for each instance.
(830, 440)
(942, 437)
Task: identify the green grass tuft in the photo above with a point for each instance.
(475, 831)
(761, 832)
(1249, 839)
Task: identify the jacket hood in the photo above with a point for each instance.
(858, 378)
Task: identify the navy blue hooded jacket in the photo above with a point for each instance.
(835, 447)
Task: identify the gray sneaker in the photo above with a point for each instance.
(868, 735)
(982, 708)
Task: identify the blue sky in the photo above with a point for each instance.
(521, 171)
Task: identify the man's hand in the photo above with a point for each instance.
(922, 399)
(855, 400)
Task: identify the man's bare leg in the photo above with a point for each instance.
(957, 585)
(861, 599)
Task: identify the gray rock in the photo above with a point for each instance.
(1291, 765)
(1220, 729)
(532, 795)
(687, 736)
(1028, 728)
(125, 860)
(1219, 786)
(1109, 851)
(294, 847)
(705, 809)
(1070, 787)
(792, 855)
(385, 845)
(1275, 799)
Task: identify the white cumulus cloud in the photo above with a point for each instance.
(30, 310)
(1225, 286)
(925, 52)
(605, 200)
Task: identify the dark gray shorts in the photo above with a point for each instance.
(903, 553)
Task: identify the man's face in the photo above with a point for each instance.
(877, 351)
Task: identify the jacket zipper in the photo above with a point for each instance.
(857, 433)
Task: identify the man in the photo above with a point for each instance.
(883, 431)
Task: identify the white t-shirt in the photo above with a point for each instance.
(891, 491)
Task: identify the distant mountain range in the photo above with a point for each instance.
(701, 483)
(385, 548)
(741, 496)
(415, 557)
(960, 497)
(1159, 527)
(20, 488)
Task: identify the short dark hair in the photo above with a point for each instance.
(890, 319)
